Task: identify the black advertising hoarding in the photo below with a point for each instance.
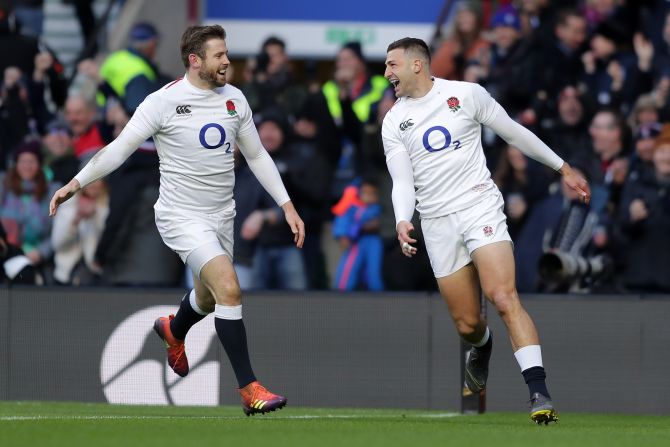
(328, 350)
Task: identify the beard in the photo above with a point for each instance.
(210, 75)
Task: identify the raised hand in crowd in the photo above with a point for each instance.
(638, 210)
(90, 69)
(43, 62)
(644, 50)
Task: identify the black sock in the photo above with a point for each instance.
(488, 345)
(184, 319)
(233, 337)
(535, 379)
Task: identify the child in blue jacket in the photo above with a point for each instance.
(357, 229)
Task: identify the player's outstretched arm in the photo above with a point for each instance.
(295, 222)
(103, 162)
(63, 195)
(528, 143)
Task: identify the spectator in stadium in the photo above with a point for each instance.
(568, 134)
(644, 219)
(558, 61)
(351, 98)
(644, 112)
(356, 228)
(523, 182)
(27, 54)
(130, 74)
(272, 83)
(278, 263)
(609, 140)
(24, 204)
(14, 112)
(309, 154)
(23, 111)
(59, 160)
(662, 51)
(562, 225)
(611, 143)
(537, 18)
(509, 76)
(15, 267)
(613, 75)
(642, 160)
(87, 134)
(75, 234)
(464, 46)
(597, 11)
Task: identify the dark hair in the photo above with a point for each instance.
(194, 38)
(370, 180)
(564, 14)
(619, 121)
(13, 181)
(273, 40)
(411, 44)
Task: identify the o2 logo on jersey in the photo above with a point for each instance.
(438, 138)
(214, 133)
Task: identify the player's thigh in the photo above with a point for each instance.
(445, 245)
(193, 236)
(219, 277)
(460, 290)
(495, 264)
(489, 244)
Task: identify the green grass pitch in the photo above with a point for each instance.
(75, 424)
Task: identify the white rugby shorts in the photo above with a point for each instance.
(451, 239)
(196, 237)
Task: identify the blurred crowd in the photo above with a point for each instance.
(590, 77)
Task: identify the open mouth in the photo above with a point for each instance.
(221, 72)
(394, 82)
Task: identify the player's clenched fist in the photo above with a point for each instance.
(62, 195)
(404, 228)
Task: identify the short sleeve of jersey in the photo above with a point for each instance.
(485, 107)
(148, 117)
(392, 143)
(246, 118)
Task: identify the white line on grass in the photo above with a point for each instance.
(301, 416)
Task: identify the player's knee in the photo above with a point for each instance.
(227, 293)
(506, 301)
(466, 326)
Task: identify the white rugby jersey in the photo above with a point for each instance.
(441, 132)
(195, 132)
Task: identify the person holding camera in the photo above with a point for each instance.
(564, 242)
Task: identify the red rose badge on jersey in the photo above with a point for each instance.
(488, 231)
(230, 106)
(454, 104)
